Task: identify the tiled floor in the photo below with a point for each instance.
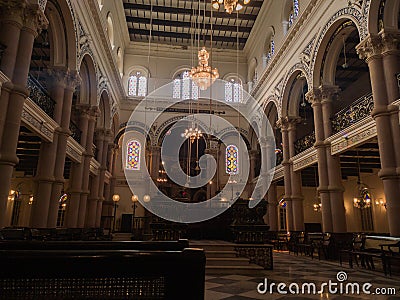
(297, 269)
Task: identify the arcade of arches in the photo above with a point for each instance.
(327, 74)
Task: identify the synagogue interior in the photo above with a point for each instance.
(190, 149)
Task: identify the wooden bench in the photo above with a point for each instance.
(373, 247)
(102, 274)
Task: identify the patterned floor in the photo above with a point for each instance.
(297, 269)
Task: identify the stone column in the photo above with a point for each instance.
(272, 208)
(21, 22)
(88, 155)
(155, 161)
(335, 187)
(96, 181)
(47, 157)
(296, 195)
(103, 170)
(253, 155)
(72, 80)
(371, 50)
(283, 125)
(315, 98)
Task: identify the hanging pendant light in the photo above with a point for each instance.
(203, 75)
(363, 197)
(230, 5)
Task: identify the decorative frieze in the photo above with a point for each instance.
(38, 121)
(354, 135)
(305, 159)
(74, 150)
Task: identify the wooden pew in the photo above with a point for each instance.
(102, 274)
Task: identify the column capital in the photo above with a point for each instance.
(58, 76)
(314, 96)
(73, 80)
(390, 42)
(371, 47)
(25, 13)
(329, 91)
(285, 123)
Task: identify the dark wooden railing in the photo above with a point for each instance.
(2, 48)
(102, 274)
(39, 95)
(358, 110)
(76, 133)
(304, 143)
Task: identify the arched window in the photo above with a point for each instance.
(133, 155)
(110, 29)
(184, 88)
(232, 160)
(233, 91)
(294, 12)
(270, 51)
(137, 85)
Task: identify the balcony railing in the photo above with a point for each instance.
(76, 132)
(39, 95)
(398, 80)
(358, 110)
(2, 48)
(304, 143)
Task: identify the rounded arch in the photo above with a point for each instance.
(324, 38)
(293, 88)
(137, 68)
(88, 87)
(104, 119)
(120, 61)
(61, 34)
(177, 71)
(110, 29)
(252, 73)
(383, 14)
(233, 76)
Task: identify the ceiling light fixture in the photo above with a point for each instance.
(230, 5)
(203, 75)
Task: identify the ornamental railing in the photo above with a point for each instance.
(2, 48)
(76, 133)
(398, 80)
(304, 143)
(39, 95)
(279, 157)
(358, 110)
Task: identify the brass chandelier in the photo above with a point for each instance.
(203, 75)
(230, 5)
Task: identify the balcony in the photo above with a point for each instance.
(304, 143)
(76, 133)
(39, 95)
(2, 48)
(357, 111)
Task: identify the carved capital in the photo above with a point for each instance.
(34, 18)
(73, 80)
(329, 92)
(390, 42)
(370, 47)
(314, 96)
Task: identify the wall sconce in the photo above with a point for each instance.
(380, 202)
(317, 207)
(30, 202)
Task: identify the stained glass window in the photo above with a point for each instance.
(228, 92)
(132, 88)
(294, 13)
(232, 160)
(233, 91)
(137, 85)
(296, 8)
(133, 155)
(184, 88)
